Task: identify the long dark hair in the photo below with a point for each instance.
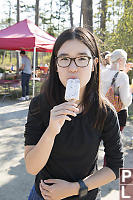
(54, 89)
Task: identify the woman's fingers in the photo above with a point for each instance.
(64, 112)
(44, 186)
(45, 191)
(65, 109)
(60, 113)
(66, 105)
(63, 117)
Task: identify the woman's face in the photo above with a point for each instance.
(122, 64)
(72, 49)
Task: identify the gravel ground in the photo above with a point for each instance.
(15, 183)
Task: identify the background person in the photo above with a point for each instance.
(62, 138)
(25, 76)
(105, 60)
(122, 87)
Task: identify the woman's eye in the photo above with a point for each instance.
(65, 58)
(82, 58)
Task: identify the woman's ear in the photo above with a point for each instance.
(96, 60)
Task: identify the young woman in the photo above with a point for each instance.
(62, 138)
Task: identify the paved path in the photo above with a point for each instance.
(15, 183)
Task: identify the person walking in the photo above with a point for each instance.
(25, 76)
(122, 87)
(62, 138)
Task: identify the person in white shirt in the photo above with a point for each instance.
(118, 63)
(105, 60)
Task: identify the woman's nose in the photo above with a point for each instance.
(73, 67)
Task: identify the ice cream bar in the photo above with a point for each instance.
(72, 89)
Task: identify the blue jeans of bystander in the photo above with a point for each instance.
(25, 84)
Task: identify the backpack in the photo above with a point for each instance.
(112, 97)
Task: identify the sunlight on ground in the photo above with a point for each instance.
(113, 193)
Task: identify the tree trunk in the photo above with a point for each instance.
(71, 14)
(81, 12)
(103, 14)
(103, 17)
(37, 22)
(9, 23)
(3, 57)
(17, 53)
(87, 9)
(18, 11)
(37, 12)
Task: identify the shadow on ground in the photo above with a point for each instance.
(19, 187)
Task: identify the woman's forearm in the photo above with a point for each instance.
(100, 178)
(37, 157)
(62, 189)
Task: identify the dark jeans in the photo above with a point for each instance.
(33, 195)
(25, 84)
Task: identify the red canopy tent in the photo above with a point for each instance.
(27, 36)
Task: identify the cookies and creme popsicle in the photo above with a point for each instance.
(72, 89)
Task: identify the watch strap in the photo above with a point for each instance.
(82, 184)
(83, 191)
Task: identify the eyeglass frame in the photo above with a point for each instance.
(73, 59)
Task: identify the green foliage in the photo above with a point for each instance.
(118, 35)
(54, 16)
(130, 112)
(46, 58)
(50, 30)
(1, 52)
(4, 23)
(2, 70)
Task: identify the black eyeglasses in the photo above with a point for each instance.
(80, 61)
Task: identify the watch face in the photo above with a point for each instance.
(83, 192)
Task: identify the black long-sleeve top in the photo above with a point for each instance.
(74, 153)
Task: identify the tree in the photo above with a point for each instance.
(71, 14)
(17, 53)
(18, 11)
(37, 12)
(124, 31)
(37, 22)
(103, 17)
(54, 15)
(87, 11)
(119, 35)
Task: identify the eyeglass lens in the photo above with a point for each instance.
(81, 61)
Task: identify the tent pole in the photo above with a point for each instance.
(34, 70)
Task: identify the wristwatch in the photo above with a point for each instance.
(83, 190)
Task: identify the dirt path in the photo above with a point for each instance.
(15, 183)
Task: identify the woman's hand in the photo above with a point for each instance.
(59, 113)
(59, 189)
